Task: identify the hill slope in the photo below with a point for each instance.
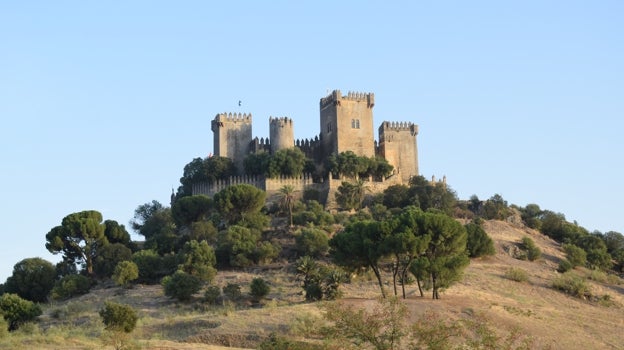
(552, 318)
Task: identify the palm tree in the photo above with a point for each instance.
(288, 200)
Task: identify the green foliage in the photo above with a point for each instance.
(427, 195)
(78, 238)
(352, 166)
(212, 294)
(70, 286)
(32, 279)
(564, 266)
(571, 284)
(259, 288)
(312, 241)
(350, 195)
(118, 317)
(496, 208)
(198, 259)
(614, 241)
(232, 291)
(125, 272)
(237, 201)
(313, 214)
(478, 243)
(533, 251)
(287, 192)
(597, 255)
(319, 281)
(240, 246)
(556, 227)
(155, 223)
(575, 256)
(516, 274)
(383, 327)
(108, 257)
(276, 342)
(153, 267)
(190, 209)
(205, 170)
(397, 196)
(181, 285)
(16, 311)
(531, 216)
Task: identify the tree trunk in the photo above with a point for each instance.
(378, 275)
(422, 295)
(434, 286)
(404, 279)
(395, 272)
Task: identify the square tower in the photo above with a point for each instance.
(397, 144)
(232, 137)
(347, 123)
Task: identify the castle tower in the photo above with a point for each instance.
(281, 133)
(232, 136)
(397, 144)
(347, 123)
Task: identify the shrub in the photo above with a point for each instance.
(564, 266)
(181, 285)
(198, 259)
(153, 267)
(576, 256)
(118, 317)
(312, 241)
(108, 257)
(4, 328)
(571, 284)
(517, 274)
(32, 279)
(212, 294)
(71, 286)
(259, 288)
(232, 291)
(478, 243)
(598, 276)
(17, 311)
(125, 272)
(533, 252)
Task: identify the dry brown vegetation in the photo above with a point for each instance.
(554, 320)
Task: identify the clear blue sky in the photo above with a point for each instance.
(103, 103)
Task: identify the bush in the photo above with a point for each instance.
(108, 257)
(312, 241)
(571, 284)
(576, 256)
(153, 267)
(478, 243)
(125, 272)
(259, 288)
(16, 311)
(517, 274)
(598, 276)
(564, 266)
(71, 286)
(198, 259)
(212, 294)
(232, 291)
(533, 252)
(118, 317)
(32, 279)
(181, 285)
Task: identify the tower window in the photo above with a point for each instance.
(352, 123)
(357, 123)
(329, 127)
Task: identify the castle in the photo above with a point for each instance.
(346, 124)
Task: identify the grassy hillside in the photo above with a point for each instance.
(553, 319)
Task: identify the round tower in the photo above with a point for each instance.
(281, 133)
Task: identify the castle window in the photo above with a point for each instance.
(357, 123)
(352, 123)
(329, 127)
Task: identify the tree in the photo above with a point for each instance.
(78, 238)
(396, 196)
(446, 255)
(533, 252)
(351, 195)
(312, 241)
(237, 201)
(108, 257)
(118, 317)
(239, 246)
(155, 222)
(360, 246)
(288, 200)
(597, 255)
(181, 285)
(32, 279)
(17, 311)
(478, 243)
(70, 286)
(125, 272)
(496, 208)
(198, 259)
(257, 164)
(116, 233)
(576, 256)
(426, 195)
(205, 170)
(190, 209)
(288, 162)
(258, 289)
(531, 215)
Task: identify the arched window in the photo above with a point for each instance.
(357, 123)
(352, 123)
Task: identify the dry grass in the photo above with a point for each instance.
(553, 319)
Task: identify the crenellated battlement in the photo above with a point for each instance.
(399, 126)
(336, 96)
(280, 121)
(233, 117)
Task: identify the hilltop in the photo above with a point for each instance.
(553, 319)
